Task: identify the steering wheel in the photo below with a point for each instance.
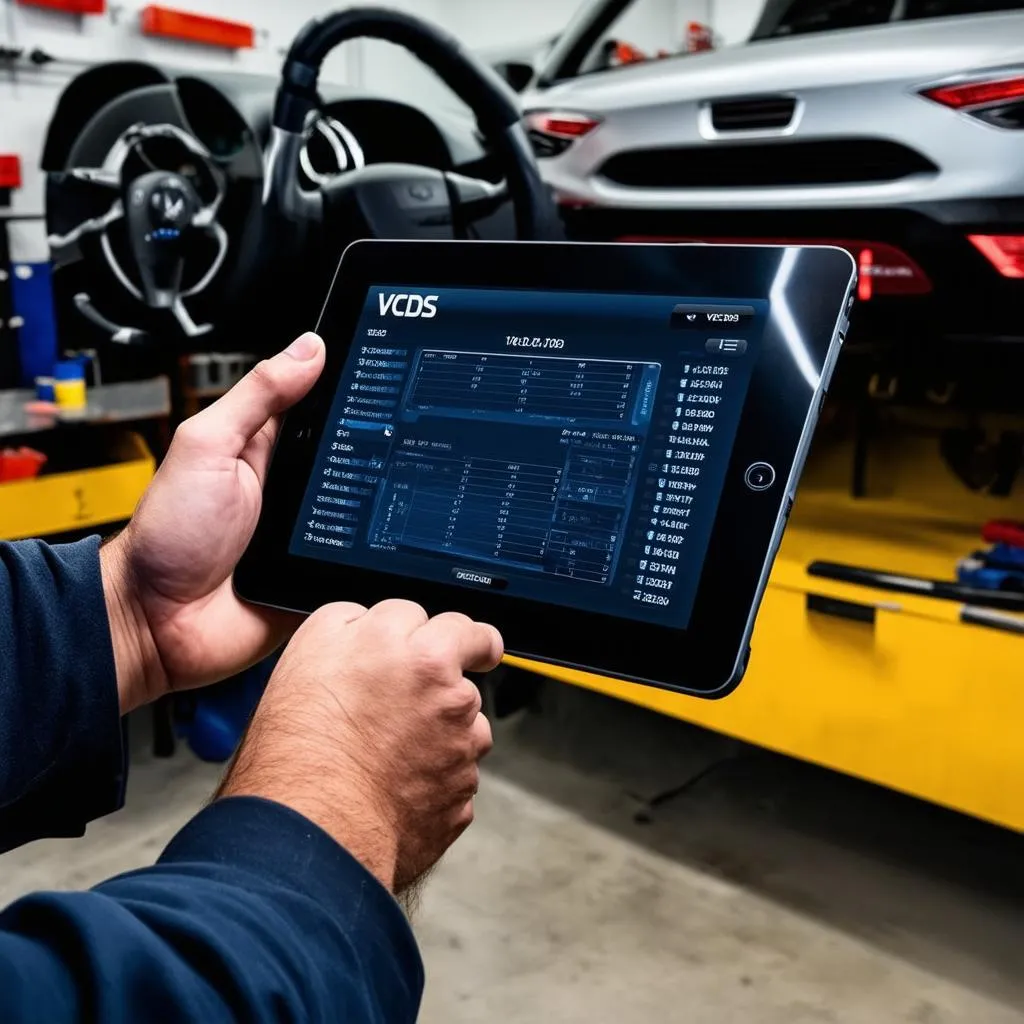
(164, 205)
(395, 200)
(193, 230)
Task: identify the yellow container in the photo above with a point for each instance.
(889, 687)
(70, 394)
(75, 501)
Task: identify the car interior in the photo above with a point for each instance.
(273, 183)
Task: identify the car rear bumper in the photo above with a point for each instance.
(968, 299)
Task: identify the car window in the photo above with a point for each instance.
(800, 17)
(948, 8)
(803, 16)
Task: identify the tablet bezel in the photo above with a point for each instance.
(796, 356)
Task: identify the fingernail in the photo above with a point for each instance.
(304, 348)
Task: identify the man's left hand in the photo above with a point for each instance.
(175, 620)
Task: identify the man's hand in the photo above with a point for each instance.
(175, 620)
(370, 729)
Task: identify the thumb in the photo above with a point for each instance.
(266, 391)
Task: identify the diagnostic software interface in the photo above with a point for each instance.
(564, 447)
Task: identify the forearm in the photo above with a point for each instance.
(252, 914)
(277, 762)
(61, 754)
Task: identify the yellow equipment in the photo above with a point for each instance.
(69, 502)
(889, 687)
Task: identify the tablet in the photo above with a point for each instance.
(592, 446)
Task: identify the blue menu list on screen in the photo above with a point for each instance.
(562, 447)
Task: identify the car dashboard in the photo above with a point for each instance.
(213, 129)
(353, 128)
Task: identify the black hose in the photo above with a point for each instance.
(479, 86)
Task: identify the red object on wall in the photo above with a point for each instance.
(10, 172)
(627, 53)
(69, 6)
(197, 28)
(699, 37)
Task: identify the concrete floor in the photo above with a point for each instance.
(762, 891)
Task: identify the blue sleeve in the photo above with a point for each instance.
(252, 914)
(62, 760)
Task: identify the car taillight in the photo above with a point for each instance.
(885, 270)
(998, 101)
(553, 132)
(1004, 252)
(865, 282)
(977, 93)
(562, 125)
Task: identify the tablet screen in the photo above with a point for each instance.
(563, 447)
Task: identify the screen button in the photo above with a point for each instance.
(725, 346)
(760, 476)
(692, 316)
(479, 578)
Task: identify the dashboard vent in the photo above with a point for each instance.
(783, 163)
(759, 113)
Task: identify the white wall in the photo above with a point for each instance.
(734, 20)
(649, 24)
(488, 23)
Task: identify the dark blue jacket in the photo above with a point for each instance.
(252, 913)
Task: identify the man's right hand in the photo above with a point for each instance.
(370, 729)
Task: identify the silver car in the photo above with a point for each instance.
(892, 127)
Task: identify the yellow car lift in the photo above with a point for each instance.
(906, 695)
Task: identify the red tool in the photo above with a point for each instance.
(1004, 531)
(20, 464)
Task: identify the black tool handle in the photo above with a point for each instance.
(944, 590)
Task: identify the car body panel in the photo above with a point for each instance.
(851, 84)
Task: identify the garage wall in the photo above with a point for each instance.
(734, 20)
(649, 23)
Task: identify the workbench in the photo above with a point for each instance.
(128, 402)
(111, 479)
